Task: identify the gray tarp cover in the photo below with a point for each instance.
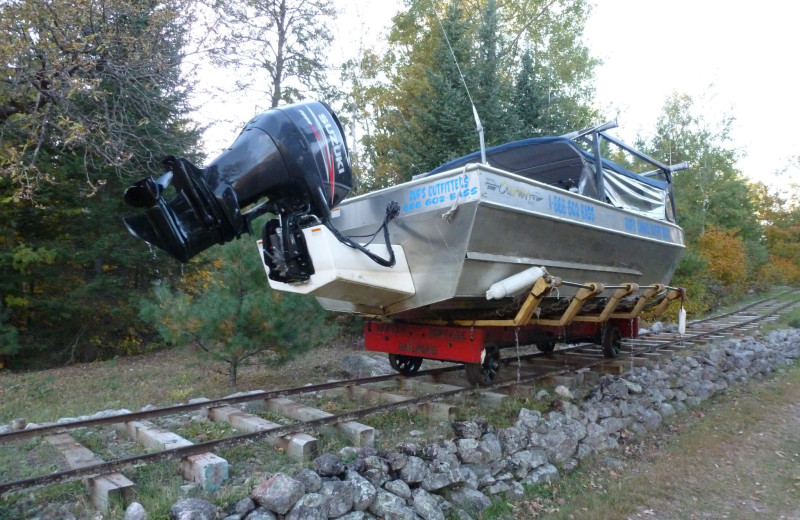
(557, 161)
(628, 192)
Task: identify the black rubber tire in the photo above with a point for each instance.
(612, 341)
(546, 346)
(406, 365)
(482, 374)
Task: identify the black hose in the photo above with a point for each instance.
(392, 211)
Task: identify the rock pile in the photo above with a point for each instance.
(462, 475)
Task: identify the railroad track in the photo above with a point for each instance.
(436, 386)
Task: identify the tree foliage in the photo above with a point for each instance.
(93, 97)
(780, 216)
(554, 69)
(277, 47)
(434, 115)
(236, 316)
(725, 258)
(716, 205)
(520, 62)
(96, 82)
(712, 191)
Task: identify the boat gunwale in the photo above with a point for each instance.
(491, 169)
(517, 209)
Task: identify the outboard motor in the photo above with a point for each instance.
(295, 157)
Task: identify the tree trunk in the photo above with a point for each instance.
(232, 373)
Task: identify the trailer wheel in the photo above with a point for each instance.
(406, 365)
(482, 374)
(546, 346)
(612, 341)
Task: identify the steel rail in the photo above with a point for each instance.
(52, 429)
(257, 395)
(203, 447)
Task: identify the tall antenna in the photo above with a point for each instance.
(478, 125)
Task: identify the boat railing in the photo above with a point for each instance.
(591, 130)
(667, 169)
(593, 137)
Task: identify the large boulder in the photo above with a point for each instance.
(279, 493)
(341, 496)
(399, 488)
(546, 473)
(414, 471)
(312, 506)
(363, 491)
(386, 502)
(512, 440)
(135, 511)
(260, 513)
(470, 500)
(311, 480)
(426, 506)
(328, 465)
(193, 509)
(467, 429)
(362, 365)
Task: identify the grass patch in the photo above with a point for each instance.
(654, 477)
(204, 430)
(52, 502)
(161, 379)
(397, 427)
(107, 444)
(27, 459)
(158, 486)
(787, 319)
(735, 456)
(84, 389)
(782, 293)
(504, 415)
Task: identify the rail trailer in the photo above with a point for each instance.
(536, 241)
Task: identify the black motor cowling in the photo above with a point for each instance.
(294, 156)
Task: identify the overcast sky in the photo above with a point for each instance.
(731, 57)
(734, 58)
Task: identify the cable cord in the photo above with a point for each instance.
(392, 211)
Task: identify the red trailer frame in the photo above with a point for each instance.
(466, 344)
(477, 343)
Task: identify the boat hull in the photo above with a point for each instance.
(464, 230)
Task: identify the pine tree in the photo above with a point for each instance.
(530, 101)
(95, 96)
(438, 123)
(237, 316)
(423, 113)
(492, 95)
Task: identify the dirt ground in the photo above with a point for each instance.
(737, 458)
(160, 378)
